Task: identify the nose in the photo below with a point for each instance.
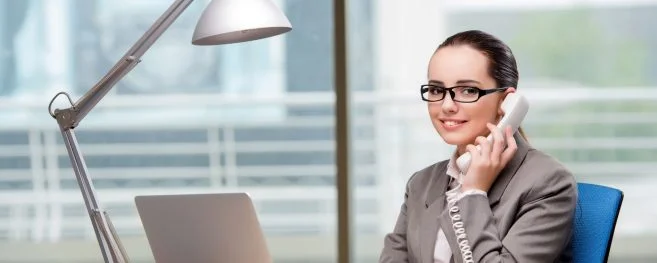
(448, 104)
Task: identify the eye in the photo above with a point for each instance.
(435, 90)
(469, 91)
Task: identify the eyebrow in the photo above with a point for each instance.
(459, 82)
(467, 81)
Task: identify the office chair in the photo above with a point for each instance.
(595, 220)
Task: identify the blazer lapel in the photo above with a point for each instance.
(437, 185)
(434, 205)
(503, 179)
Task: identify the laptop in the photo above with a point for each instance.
(207, 228)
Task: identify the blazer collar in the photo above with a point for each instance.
(440, 180)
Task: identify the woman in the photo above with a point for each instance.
(514, 204)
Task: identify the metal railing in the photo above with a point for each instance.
(284, 162)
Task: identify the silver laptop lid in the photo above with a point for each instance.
(207, 228)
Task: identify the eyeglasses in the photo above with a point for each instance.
(464, 94)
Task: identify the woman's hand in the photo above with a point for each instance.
(487, 163)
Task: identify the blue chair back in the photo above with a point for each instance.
(595, 220)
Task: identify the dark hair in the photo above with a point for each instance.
(502, 64)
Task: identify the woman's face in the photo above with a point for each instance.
(460, 123)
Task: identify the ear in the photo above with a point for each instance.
(509, 90)
(499, 107)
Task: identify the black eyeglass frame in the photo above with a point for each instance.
(482, 92)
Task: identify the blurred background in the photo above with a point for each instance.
(259, 116)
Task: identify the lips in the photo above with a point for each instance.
(451, 124)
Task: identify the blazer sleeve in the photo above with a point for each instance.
(540, 233)
(394, 244)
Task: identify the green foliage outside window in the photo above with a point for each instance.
(573, 45)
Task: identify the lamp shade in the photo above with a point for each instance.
(234, 21)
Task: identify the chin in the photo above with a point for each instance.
(455, 139)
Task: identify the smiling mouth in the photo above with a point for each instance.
(453, 123)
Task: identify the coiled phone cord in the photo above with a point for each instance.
(459, 230)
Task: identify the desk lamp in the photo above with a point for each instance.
(222, 22)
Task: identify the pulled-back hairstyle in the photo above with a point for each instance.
(502, 64)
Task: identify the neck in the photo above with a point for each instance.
(460, 150)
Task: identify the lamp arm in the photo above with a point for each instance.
(111, 248)
(89, 100)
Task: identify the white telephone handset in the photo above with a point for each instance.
(515, 107)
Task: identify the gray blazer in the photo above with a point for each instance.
(527, 216)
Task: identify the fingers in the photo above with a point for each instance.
(497, 153)
(484, 147)
(474, 152)
(498, 144)
(511, 148)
